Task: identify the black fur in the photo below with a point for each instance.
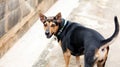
(81, 40)
(115, 33)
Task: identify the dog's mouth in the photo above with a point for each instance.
(49, 36)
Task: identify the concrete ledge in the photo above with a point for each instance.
(13, 33)
(27, 50)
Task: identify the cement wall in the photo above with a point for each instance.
(16, 17)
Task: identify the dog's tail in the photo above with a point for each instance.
(108, 41)
(102, 51)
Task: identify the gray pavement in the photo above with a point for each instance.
(98, 15)
(33, 45)
(36, 51)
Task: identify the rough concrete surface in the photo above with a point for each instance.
(98, 15)
(33, 45)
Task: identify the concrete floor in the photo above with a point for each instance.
(95, 14)
(98, 15)
(26, 51)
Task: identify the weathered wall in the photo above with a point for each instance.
(16, 16)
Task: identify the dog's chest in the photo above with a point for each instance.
(70, 41)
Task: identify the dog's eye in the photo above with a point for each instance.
(53, 25)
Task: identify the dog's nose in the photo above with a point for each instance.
(47, 33)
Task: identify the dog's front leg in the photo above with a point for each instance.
(67, 56)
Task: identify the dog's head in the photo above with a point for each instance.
(51, 24)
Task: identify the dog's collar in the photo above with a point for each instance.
(61, 29)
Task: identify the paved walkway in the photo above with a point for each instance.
(33, 46)
(98, 15)
(26, 51)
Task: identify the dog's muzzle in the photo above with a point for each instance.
(48, 34)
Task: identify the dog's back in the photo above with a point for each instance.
(78, 37)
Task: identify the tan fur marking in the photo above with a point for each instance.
(45, 27)
(53, 29)
(101, 55)
(67, 56)
(60, 43)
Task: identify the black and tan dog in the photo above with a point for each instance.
(77, 40)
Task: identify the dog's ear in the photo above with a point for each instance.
(42, 17)
(58, 17)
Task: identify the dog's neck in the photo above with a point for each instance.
(62, 25)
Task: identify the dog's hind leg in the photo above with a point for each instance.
(78, 61)
(101, 63)
(89, 58)
(67, 56)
